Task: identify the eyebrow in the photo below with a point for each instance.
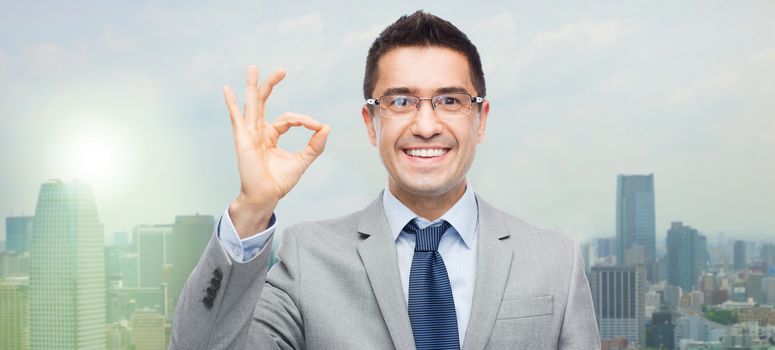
(402, 90)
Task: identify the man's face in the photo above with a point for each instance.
(425, 72)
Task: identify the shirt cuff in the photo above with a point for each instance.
(245, 249)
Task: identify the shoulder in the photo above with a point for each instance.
(337, 232)
(527, 238)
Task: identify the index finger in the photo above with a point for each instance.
(266, 89)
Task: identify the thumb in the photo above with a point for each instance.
(316, 145)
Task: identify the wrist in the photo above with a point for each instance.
(249, 218)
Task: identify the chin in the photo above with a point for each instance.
(426, 185)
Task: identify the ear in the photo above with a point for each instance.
(483, 114)
(368, 120)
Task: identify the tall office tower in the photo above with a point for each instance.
(660, 273)
(128, 262)
(154, 246)
(17, 233)
(67, 270)
(750, 252)
(148, 330)
(635, 218)
(190, 235)
(14, 313)
(768, 290)
(767, 255)
(606, 247)
(112, 263)
(619, 298)
(703, 257)
(739, 255)
(686, 256)
(753, 287)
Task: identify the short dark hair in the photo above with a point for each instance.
(422, 29)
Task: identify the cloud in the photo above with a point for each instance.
(499, 26)
(116, 41)
(48, 57)
(585, 34)
(745, 78)
(719, 83)
(364, 36)
(306, 24)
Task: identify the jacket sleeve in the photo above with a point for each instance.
(579, 327)
(248, 310)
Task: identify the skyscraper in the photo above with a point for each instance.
(686, 256)
(767, 255)
(606, 247)
(739, 255)
(619, 298)
(768, 290)
(753, 287)
(148, 330)
(190, 235)
(14, 313)
(635, 217)
(154, 246)
(17, 233)
(67, 272)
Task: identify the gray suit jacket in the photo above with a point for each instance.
(337, 286)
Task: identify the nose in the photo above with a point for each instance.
(426, 123)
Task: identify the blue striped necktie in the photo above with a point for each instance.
(431, 307)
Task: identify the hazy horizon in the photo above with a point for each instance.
(128, 96)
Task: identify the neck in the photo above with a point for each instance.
(430, 206)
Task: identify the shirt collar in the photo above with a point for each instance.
(463, 216)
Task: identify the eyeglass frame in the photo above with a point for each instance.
(474, 99)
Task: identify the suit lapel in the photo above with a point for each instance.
(378, 253)
(492, 273)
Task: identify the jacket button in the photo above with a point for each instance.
(218, 274)
(211, 292)
(208, 302)
(215, 283)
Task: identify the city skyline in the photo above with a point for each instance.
(580, 93)
(711, 234)
(140, 295)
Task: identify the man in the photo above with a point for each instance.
(427, 265)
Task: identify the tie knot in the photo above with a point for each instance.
(427, 239)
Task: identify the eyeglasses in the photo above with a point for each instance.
(446, 105)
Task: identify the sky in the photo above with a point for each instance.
(128, 95)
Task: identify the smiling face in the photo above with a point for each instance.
(426, 156)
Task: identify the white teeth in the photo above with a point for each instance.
(426, 152)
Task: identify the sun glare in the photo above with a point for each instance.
(93, 160)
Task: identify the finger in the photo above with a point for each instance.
(316, 144)
(251, 96)
(231, 103)
(266, 89)
(288, 120)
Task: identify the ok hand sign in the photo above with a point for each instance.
(267, 172)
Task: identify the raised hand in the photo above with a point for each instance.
(267, 172)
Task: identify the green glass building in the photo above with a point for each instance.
(67, 270)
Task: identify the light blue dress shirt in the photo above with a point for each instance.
(457, 247)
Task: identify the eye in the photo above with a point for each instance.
(399, 101)
(449, 100)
